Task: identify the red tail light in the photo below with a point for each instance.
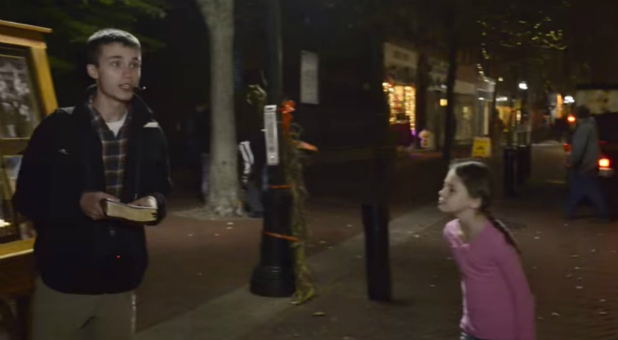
(567, 147)
(604, 163)
(571, 119)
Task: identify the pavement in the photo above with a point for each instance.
(195, 259)
(240, 313)
(572, 269)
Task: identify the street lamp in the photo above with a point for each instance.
(523, 86)
(274, 276)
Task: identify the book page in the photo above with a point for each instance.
(129, 212)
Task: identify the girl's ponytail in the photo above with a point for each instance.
(508, 236)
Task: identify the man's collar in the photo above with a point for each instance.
(139, 111)
(97, 114)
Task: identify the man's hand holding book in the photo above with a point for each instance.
(99, 205)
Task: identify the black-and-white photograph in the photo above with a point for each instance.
(19, 113)
(12, 165)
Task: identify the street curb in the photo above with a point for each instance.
(237, 313)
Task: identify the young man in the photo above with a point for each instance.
(107, 147)
(583, 163)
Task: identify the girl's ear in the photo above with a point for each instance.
(476, 203)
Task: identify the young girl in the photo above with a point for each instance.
(497, 301)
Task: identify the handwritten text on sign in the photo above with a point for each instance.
(272, 142)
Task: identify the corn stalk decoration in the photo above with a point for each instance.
(293, 154)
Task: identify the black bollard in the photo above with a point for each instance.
(509, 171)
(528, 160)
(520, 173)
(375, 220)
(274, 277)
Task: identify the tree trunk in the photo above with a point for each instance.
(449, 122)
(224, 189)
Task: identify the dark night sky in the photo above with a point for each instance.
(594, 30)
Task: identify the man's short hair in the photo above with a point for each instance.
(105, 37)
(582, 112)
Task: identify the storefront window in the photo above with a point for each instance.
(401, 100)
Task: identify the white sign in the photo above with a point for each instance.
(309, 86)
(399, 56)
(272, 142)
(463, 87)
(598, 100)
(439, 73)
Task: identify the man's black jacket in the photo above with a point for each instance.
(75, 254)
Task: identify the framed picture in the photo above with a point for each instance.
(10, 170)
(12, 165)
(20, 105)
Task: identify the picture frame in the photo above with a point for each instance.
(8, 221)
(20, 101)
(12, 164)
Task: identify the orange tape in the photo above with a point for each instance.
(284, 237)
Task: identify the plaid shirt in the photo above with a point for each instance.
(114, 152)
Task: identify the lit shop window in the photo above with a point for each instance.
(401, 99)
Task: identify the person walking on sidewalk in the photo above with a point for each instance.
(497, 302)
(583, 167)
(253, 178)
(107, 147)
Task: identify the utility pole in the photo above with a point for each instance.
(374, 211)
(274, 276)
(450, 122)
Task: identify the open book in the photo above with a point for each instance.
(127, 212)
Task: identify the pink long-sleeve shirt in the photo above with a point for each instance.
(497, 302)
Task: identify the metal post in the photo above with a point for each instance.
(528, 153)
(274, 277)
(375, 221)
(375, 212)
(521, 164)
(509, 171)
(528, 160)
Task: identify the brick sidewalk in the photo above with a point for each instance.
(571, 268)
(239, 313)
(194, 260)
(425, 288)
(426, 306)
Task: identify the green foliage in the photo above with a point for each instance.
(305, 288)
(528, 38)
(520, 23)
(73, 22)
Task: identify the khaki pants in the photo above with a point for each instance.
(60, 316)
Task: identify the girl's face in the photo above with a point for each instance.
(454, 198)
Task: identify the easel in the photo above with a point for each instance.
(26, 96)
